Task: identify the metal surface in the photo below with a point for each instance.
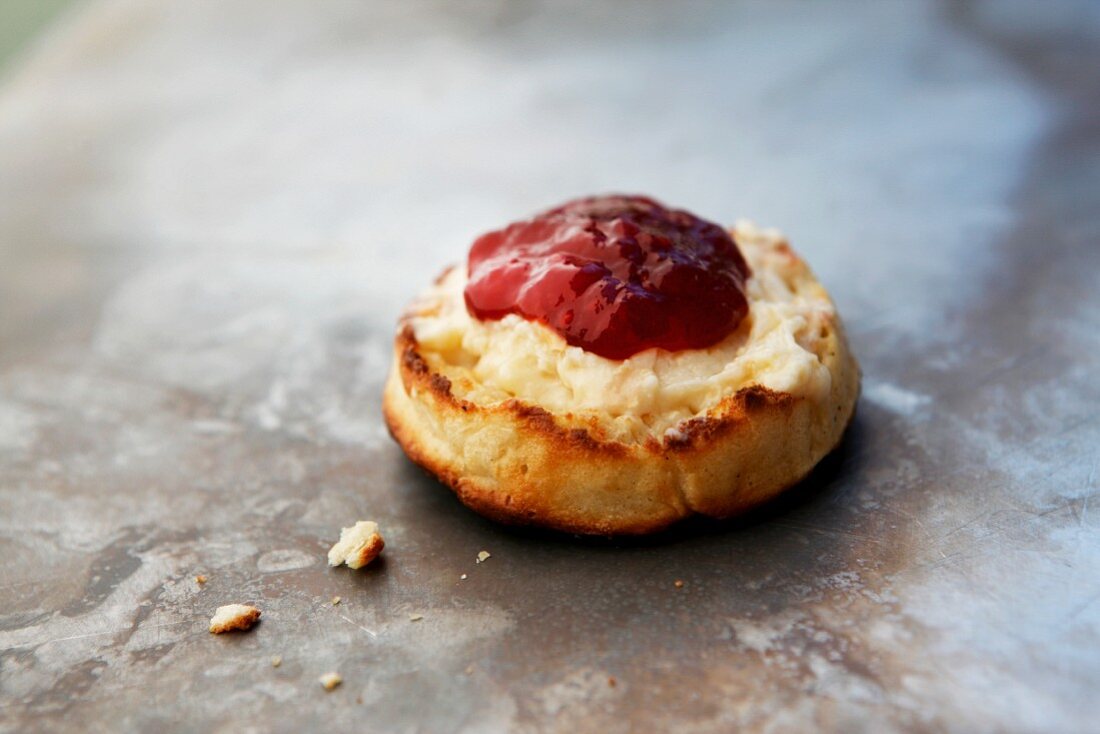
(211, 213)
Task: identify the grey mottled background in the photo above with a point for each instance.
(211, 213)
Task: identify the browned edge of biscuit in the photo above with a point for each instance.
(732, 414)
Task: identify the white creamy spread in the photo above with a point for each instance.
(776, 346)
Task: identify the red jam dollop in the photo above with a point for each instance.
(614, 275)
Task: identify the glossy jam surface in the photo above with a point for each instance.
(614, 275)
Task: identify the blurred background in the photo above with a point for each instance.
(212, 212)
(21, 21)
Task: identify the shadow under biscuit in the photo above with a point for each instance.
(816, 488)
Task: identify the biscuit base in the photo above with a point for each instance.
(520, 464)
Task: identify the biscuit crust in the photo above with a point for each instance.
(518, 463)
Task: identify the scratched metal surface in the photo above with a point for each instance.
(211, 212)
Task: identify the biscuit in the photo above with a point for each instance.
(527, 429)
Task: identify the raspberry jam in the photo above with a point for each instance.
(614, 275)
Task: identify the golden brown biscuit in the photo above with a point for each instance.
(527, 429)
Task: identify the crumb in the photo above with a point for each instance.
(335, 600)
(359, 545)
(276, 661)
(234, 617)
(483, 556)
(330, 680)
(611, 681)
(463, 577)
(678, 584)
(200, 579)
(415, 617)
(359, 699)
(469, 670)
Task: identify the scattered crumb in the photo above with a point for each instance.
(679, 584)
(359, 545)
(611, 681)
(335, 600)
(415, 617)
(200, 579)
(359, 699)
(276, 661)
(234, 617)
(463, 577)
(330, 680)
(483, 556)
(469, 670)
